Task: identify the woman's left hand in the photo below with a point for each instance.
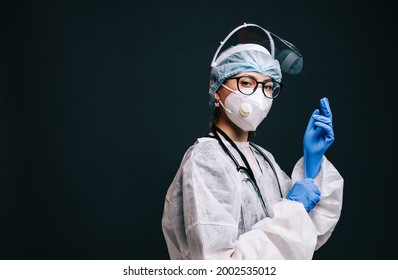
(318, 137)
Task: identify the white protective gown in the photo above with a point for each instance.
(212, 211)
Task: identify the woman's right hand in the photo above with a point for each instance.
(306, 192)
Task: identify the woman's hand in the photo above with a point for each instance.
(318, 137)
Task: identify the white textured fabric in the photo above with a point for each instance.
(212, 211)
(244, 147)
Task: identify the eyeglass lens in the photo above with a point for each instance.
(248, 85)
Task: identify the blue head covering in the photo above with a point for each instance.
(242, 58)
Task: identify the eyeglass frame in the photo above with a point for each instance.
(257, 82)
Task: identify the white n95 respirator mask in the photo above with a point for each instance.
(246, 111)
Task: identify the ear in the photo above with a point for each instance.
(217, 100)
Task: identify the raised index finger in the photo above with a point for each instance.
(325, 108)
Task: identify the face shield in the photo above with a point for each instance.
(290, 59)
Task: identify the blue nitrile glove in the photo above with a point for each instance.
(317, 138)
(306, 192)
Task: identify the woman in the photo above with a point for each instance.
(229, 198)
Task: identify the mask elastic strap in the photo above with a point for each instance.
(227, 88)
(225, 108)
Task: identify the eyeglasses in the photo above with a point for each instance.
(247, 85)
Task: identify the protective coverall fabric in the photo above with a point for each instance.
(212, 211)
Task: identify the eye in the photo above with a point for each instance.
(246, 82)
(268, 87)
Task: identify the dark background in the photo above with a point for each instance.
(100, 100)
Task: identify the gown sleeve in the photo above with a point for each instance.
(326, 213)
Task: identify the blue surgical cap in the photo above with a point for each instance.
(243, 58)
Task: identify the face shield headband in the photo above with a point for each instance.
(290, 59)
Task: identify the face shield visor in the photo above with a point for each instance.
(290, 59)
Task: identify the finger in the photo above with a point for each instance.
(325, 108)
(323, 119)
(311, 123)
(316, 112)
(327, 130)
(317, 131)
(314, 197)
(315, 193)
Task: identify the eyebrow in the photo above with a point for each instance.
(254, 78)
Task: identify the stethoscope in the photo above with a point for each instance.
(245, 169)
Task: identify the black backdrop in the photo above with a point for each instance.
(100, 100)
